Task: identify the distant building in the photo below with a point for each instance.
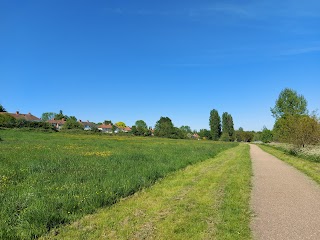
(57, 124)
(87, 126)
(105, 128)
(28, 117)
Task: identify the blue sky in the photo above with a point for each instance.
(131, 60)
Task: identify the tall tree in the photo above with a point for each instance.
(60, 116)
(289, 102)
(140, 128)
(2, 109)
(186, 129)
(48, 116)
(227, 127)
(215, 125)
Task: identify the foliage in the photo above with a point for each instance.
(6, 120)
(299, 130)
(227, 127)
(243, 136)
(121, 125)
(289, 102)
(71, 123)
(225, 137)
(186, 129)
(257, 136)
(2, 109)
(107, 122)
(266, 135)
(60, 116)
(51, 179)
(140, 129)
(205, 134)
(48, 116)
(215, 125)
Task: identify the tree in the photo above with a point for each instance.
(186, 129)
(204, 133)
(2, 109)
(227, 127)
(121, 125)
(6, 120)
(298, 130)
(164, 127)
(140, 128)
(60, 116)
(107, 122)
(215, 125)
(141, 124)
(48, 116)
(289, 102)
(266, 135)
(71, 123)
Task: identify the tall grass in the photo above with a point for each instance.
(49, 179)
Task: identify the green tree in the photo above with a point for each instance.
(141, 128)
(6, 120)
(204, 133)
(215, 125)
(164, 127)
(227, 127)
(289, 102)
(48, 116)
(266, 135)
(299, 130)
(107, 122)
(60, 116)
(72, 123)
(2, 109)
(186, 129)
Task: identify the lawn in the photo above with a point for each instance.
(208, 200)
(50, 179)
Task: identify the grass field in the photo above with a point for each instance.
(306, 165)
(49, 179)
(208, 200)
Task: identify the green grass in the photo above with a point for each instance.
(208, 200)
(50, 179)
(309, 167)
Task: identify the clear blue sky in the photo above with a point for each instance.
(131, 60)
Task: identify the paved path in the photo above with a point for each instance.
(285, 202)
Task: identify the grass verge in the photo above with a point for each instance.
(310, 168)
(208, 200)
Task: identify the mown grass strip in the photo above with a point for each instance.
(208, 200)
(310, 168)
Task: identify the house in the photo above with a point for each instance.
(105, 128)
(87, 126)
(196, 136)
(127, 129)
(28, 117)
(57, 124)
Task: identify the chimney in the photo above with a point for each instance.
(29, 113)
(17, 112)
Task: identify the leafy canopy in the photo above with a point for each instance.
(289, 102)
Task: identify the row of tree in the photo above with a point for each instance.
(226, 133)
